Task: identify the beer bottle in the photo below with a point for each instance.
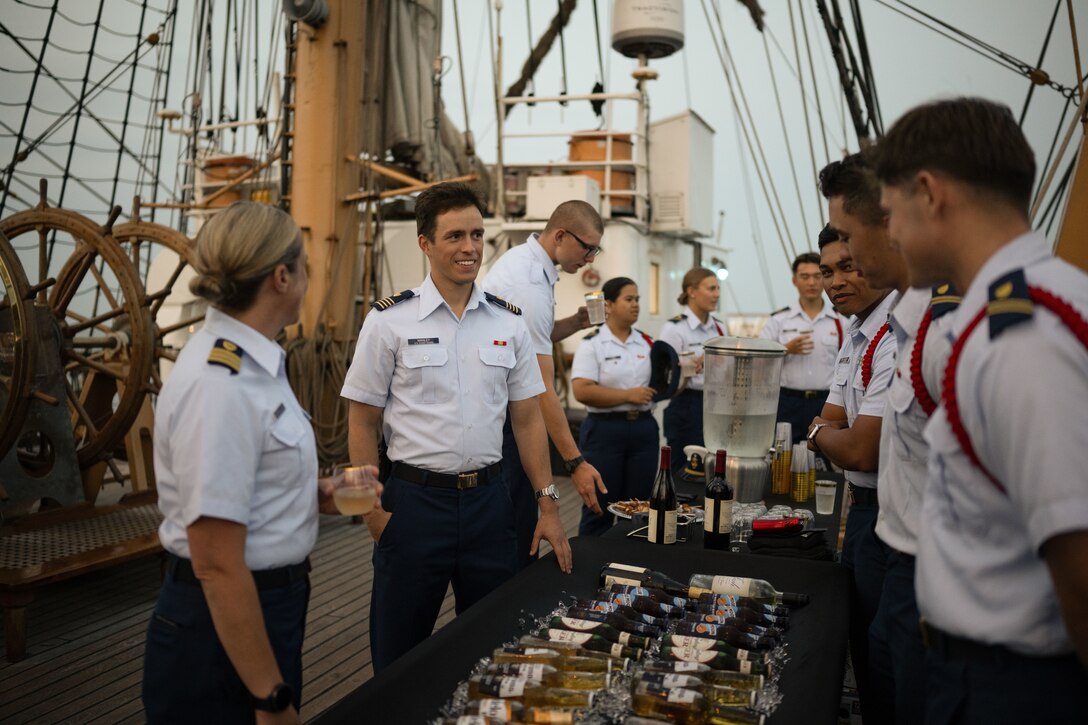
(729, 634)
(718, 507)
(527, 692)
(740, 586)
(677, 704)
(631, 613)
(716, 660)
(726, 715)
(662, 528)
(616, 620)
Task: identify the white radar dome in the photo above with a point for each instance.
(653, 28)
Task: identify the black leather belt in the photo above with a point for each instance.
(806, 394)
(961, 648)
(690, 391)
(459, 481)
(182, 571)
(623, 415)
(859, 494)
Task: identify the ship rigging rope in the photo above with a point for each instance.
(808, 122)
(723, 55)
(785, 133)
(806, 100)
(315, 365)
(984, 49)
(757, 232)
(812, 72)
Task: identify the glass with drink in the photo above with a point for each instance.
(595, 307)
(825, 496)
(355, 490)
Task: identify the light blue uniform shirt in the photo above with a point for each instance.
(606, 361)
(237, 447)
(526, 277)
(1023, 398)
(828, 331)
(688, 335)
(847, 389)
(903, 450)
(444, 383)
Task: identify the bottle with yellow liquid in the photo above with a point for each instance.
(551, 677)
(677, 704)
(527, 692)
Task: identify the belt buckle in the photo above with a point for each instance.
(632, 414)
(809, 394)
(469, 479)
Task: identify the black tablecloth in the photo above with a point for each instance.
(413, 688)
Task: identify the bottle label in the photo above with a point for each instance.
(538, 651)
(672, 680)
(669, 527)
(495, 707)
(698, 643)
(581, 625)
(690, 654)
(627, 567)
(736, 586)
(707, 629)
(616, 650)
(611, 579)
(681, 695)
(723, 522)
(744, 666)
(531, 671)
(564, 635)
(555, 717)
(512, 687)
(686, 667)
(471, 720)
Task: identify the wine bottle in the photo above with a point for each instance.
(518, 654)
(662, 528)
(552, 715)
(718, 507)
(552, 677)
(528, 692)
(593, 642)
(711, 600)
(740, 586)
(733, 696)
(698, 669)
(669, 680)
(736, 680)
(726, 715)
(732, 635)
(601, 629)
(716, 660)
(646, 605)
(630, 612)
(618, 621)
(718, 645)
(677, 704)
(719, 615)
(657, 595)
(742, 625)
(495, 709)
(573, 653)
(640, 576)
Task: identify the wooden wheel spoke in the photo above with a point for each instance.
(182, 264)
(156, 381)
(164, 331)
(105, 288)
(65, 294)
(93, 364)
(81, 413)
(96, 321)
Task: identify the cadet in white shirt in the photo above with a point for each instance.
(435, 370)
(1002, 573)
(812, 333)
(848, 431)
(686, 333)
(526, 276)
(611, 376)
(236, 466)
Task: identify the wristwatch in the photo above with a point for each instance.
(280, 699)
(811, 437)
(548, 491)
(573, 463)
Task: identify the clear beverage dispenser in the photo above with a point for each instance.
(740, 403)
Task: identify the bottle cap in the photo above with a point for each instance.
(795, 599)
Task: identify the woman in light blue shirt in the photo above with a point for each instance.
(611, 377)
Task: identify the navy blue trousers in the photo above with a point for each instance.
(522, 496)
(625, 454)
(1008, 689)
(683, 422)
(188, 677)
(436, 536)
(799, 412)
(896, 652)
(866, 557)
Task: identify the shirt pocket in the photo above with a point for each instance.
(842, 374)
(909, 421)
(429, 374)
(497, 364)
(283, 451)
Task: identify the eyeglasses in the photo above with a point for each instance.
(590, 250)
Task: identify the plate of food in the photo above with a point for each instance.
(627, 509)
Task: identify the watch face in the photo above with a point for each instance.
(282, 697)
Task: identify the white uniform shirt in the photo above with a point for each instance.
(903, 450)
(828, 330)
(606, 361)
(847, 389)
(237, 447)
(1023, 398)
(444, 383)
(526, 277)
(687, 334)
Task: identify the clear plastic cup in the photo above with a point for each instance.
(355, 490)
(825, 496)
(595, 307)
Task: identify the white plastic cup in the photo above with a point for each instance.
(595, 307)
(687, 364)
(825, 496)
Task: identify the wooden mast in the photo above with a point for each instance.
(1072, 243)
(328, 132)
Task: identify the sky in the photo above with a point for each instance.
(912, 64)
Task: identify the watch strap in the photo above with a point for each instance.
(277, 701)
(573, 463)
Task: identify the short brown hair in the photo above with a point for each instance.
(853, 179)
(827, 236)
(575, 213)
(806, 258)
(973, 140)
(439, 199)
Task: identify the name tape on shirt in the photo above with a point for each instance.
(423, 341)
(500, 343)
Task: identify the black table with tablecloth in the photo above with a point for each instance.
(414, 688)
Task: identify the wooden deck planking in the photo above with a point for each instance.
(86, 635)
